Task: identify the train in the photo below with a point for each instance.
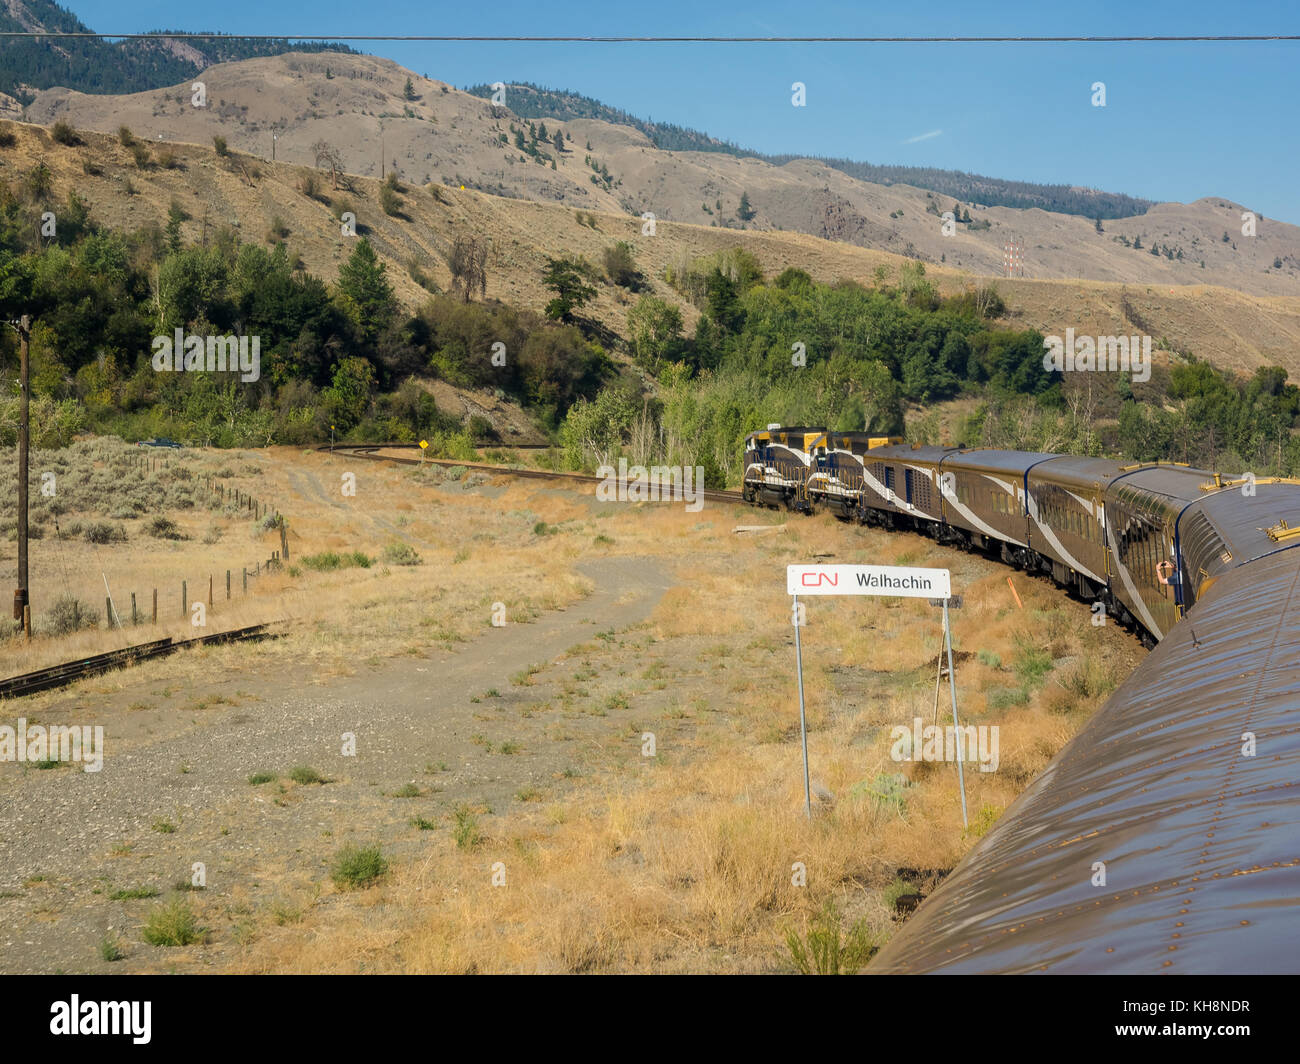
(1144, 539)
(1163, 837)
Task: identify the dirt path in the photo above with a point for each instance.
(70, 839)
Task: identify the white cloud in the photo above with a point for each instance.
(924, 136)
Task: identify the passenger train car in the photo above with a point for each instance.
(1143, 538)
(1183, 786)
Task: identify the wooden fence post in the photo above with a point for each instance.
(284, 538)
(227, 585)
(209, 589)
(185, 599)
(245, 580)
(155, 605)
(135, 617)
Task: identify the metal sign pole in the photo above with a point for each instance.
(952, 686)
(803, 727)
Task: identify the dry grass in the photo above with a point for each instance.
(685, 861)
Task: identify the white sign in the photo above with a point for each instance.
(888, 580)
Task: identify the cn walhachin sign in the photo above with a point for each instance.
(886, 581)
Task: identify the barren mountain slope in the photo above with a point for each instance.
(357, 104)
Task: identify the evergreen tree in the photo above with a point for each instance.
(367, 291)
(567, 280)
(174, 218)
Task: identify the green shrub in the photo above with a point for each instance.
(356, 867)
(390, 202)
(163, 528)
(133, 893)
(329, 560)
(827, 949)
(886, 791)
(466, 830)
(64, 134)
(110, 948)
(69, 614)
(258, 778)
(306, 774)
(397, 553)
(103, 532)
(173, 924)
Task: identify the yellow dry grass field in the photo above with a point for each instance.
(631, 803)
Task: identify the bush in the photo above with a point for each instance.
(69, 614)
(103, 532)
(140, 154)
(466, 831)
(125, 137)
(400, 554)
(355, 867)
(620, 266)
(329, 560)
(164, 528)
(219, 145)
(390, 202)
(305, 774)
(64, 134)
(7, 139)
(827, 950)
(173, 924)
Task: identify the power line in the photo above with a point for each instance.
(629, 39)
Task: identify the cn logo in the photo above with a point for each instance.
(818, 579)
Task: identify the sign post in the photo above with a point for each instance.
(424, 445)
(952, 687)
(803, 725)
(890, 581)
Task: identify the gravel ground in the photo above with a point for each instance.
(69, 839)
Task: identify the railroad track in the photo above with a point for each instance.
(366, 450)
(69, 672)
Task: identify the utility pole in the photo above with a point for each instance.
(24, 335)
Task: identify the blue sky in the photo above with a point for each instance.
(1181, 121)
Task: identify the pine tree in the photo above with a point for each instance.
(409, 91)
(174, 218)
(364, 284)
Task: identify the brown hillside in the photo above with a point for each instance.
(1227, 327)
(444, 136)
